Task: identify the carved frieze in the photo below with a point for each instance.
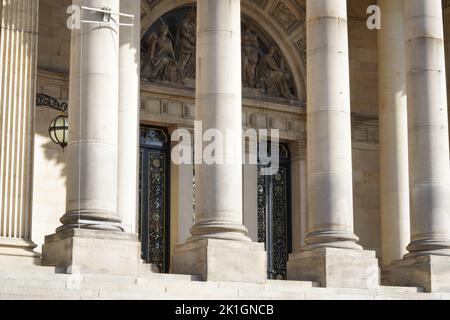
(169, 57)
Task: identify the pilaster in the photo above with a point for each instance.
(18, 53)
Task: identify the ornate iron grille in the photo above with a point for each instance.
(48, 101)
(154, 204)
(274, 216)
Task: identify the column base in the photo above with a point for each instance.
(386, 276)
(335, 268)
(222, 260)
(18, 251)
(92, 251)
(430, 272)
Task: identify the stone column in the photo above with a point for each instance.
(299, 193)
(18, 53)
(393, 115)
(91, 237)
(428, 262)
(219, 248)
(181, 192)
(332, 255)
(446, 15)
(250, 190)
(129, 107)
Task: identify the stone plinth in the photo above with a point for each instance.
(335, 268)
(430, 272)
(18, 251)
(222, 260)
(93, 251)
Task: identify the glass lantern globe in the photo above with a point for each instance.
(59, 131)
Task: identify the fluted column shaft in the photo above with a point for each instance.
(393, 115)
(18, 52)
(129, 106)
(219, 106)
(330, 191)
(428, 128)
(93, 123)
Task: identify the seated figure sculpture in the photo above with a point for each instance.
(273, 78)
(160, 62)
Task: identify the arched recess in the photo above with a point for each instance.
(153, 10)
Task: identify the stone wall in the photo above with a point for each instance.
(364, 104)
(49, 185)
(54, 37)
(363, 60)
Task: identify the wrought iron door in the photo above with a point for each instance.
(154, 211)
(274, 215)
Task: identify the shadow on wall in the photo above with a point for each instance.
(49, 183)
(53, 153)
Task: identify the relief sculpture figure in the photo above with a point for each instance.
(186, 45)
(160, 63)
(173, 59)
(274, 78)
(250, 50)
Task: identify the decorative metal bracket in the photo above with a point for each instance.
(48, 101)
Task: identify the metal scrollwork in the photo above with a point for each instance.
(48, 101)
(157, 209)
(274, 215)
(280, 223)
(154, 179)
(262, 207)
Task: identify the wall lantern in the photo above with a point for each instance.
(59, 131)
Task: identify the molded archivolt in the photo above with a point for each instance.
(282, 20)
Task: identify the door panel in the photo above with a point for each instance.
(154, 178)
(274, 216)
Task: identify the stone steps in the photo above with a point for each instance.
(43, 283)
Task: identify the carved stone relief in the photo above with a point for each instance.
(169, 57)
(186, 44)
(301, 46)
(285, 16)
(260, 3)
(152, 2)
(159, 61)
